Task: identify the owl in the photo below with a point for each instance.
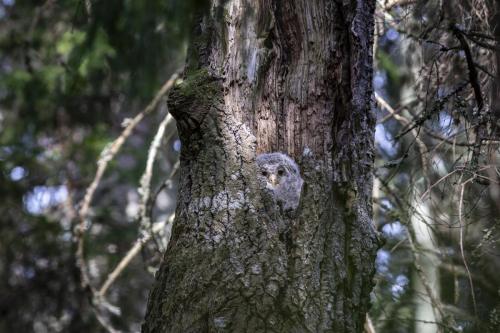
(281, 176)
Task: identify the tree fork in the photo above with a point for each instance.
(266, 76)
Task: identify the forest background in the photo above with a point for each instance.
(77, 75)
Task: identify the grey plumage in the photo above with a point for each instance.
(281, 176)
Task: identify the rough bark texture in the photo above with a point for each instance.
(266, 76)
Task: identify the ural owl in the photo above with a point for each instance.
(281, 175)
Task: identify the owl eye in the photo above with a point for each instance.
(281, 172)
(264, 173)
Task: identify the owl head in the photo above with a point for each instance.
(277, 169)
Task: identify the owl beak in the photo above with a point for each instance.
(273, 179)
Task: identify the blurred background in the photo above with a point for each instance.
(73, 75)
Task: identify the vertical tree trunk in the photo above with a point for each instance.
(267, 76)
(426, 277)
(494, 9)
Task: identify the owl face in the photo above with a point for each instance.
(277, 169)
(274, 174)
(281, 177)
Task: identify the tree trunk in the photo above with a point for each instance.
(426, 288)
(268, 76)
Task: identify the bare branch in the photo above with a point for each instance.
(460, 218)
(130, 255)
(404, 121)
(145, 184)
(473, 78)
(106, 156)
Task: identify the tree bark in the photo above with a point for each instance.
(268, 76)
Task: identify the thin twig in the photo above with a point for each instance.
(129, 256)
(437, 107)
(473, 78)
(152, 199)
(460, 218)
(145, 183)
(106, 156)
(404, 121)
(446, 140)
(437, 182)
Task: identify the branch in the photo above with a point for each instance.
(145, 187)
(484, 70)
(438, 106)
(480, 43)
(404, 121)
(108, 153)
(460, 218)
(130, 255)
(152, 199)
(473, 78)
(446, 140)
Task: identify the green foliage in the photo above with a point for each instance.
(385, 62)
(69, 75)
(68, 42)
